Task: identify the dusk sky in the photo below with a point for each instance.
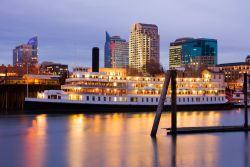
(68, 29)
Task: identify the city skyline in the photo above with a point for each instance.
(69, 36)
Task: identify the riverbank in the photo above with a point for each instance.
(12, 96)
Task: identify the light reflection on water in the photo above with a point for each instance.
(120, 139)
(35, 142)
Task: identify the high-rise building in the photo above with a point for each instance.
(175, 56)
(144, 46)
(116, 52)
(107, 52)
(21, 55)
(26, 53)
(194, 52)
(34, 43)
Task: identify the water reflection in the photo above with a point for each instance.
(75, 140)
(173, 153)
(155, 161)
(246, 150)
(35, 142)
(210, 118)
(120, 139)
(186, 150)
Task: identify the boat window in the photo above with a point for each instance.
(99, 98)
(152, 100)
(211, 98)
(93, 98)
(192, 99)
(53, 96)
(120, 98)
(214, 98)
(198, 99)
(109, 98)
(48, 97)
(125, 98)
(142, 99)
(157, 99)
(207, 99)
(179, 99)
(104, 98)
(59, 97)
(147, 99)
(133, 99)
(187, 99)
(183, 99)
(87, 98)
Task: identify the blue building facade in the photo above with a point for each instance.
(34, 43)
(107, 53)
(200, 51)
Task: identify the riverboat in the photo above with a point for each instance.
(107, 92)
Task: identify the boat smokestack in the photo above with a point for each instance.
(95, 59)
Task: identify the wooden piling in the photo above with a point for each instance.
(161, 104)
(207, 129)
(245, 101)
(173, 101)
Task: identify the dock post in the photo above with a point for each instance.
(245, 100)
(173, 101)
(161, 104)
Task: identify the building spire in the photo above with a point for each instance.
(107, 37)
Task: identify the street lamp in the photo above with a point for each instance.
(27, 68)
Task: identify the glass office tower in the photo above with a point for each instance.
(190, 51)
(115, 52)
(34, 43)
(26, 53)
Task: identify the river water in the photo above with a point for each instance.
(120, 139)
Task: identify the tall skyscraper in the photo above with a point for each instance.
(34, 43)
(26, 53)
(194, 52)
(22, 55)
(116, 52)
(144, 46)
